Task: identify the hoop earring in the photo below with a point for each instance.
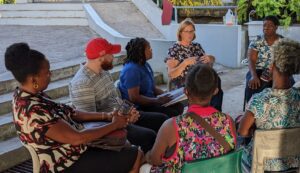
(35, 85)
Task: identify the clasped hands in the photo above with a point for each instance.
(122, 121)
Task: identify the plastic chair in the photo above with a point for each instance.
(277, 143)
(35, 158)
(228, 163)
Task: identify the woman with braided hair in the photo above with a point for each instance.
(137, 81)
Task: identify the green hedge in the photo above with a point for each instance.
(7, 1)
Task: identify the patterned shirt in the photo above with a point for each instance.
(194, 142)
(275, 108)
(260, 45)
(33, 116)
(93, 92)
(180, 53)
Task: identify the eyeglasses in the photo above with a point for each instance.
(191, 31)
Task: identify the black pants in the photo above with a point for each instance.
(143, 132)
(170, 111)
(96, 160)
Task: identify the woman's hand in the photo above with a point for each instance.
(207, 59)
(120, 121)
(134, 116)
(164, 99)
(254, 82)
(190, 61)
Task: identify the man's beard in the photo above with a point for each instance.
(106, 65)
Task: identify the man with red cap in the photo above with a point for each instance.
(92, 89)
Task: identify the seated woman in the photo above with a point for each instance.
(54, 129)
(276, 107)
(137, 81)
(184, 54)
(182, 138)
(259, 57)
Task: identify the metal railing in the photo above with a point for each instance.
(203, 7)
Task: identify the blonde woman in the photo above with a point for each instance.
(184, 54)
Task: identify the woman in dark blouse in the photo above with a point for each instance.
(54, 130)
(184, 54)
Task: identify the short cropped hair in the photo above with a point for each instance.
(186, 22)
(273, 19)
(23, 61)
(286, 56)
(135, 50)
(201, 81)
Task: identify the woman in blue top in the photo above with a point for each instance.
(137, 80)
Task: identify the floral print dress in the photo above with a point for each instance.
(180, 53)
(194, 142)
(33, 116)
(274, 108)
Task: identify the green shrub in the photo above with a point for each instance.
(288, 11)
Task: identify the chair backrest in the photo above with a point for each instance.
(228, 163)
(277, 143)
(35, 158)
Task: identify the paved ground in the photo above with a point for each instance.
(125, 18)
(58, 43)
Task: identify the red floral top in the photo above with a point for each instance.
(194, 142)
(33, 116)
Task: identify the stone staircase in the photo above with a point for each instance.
(43, 14)
(11, 150)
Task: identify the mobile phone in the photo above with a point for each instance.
(125, 107)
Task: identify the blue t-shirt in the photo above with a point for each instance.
(136, 75)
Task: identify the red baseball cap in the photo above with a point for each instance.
(98, 47)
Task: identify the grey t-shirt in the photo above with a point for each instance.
(93, 92)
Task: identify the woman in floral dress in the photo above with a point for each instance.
(184, 54)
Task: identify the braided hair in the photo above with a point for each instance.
(135, 50)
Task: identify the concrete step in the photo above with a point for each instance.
(58, 71)
(55, 90)
(45, 21)
(42, 7)
(42, 14)
(12, 153)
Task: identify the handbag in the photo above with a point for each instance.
(115, 140)
(228, 163)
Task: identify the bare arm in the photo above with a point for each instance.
(158, 91)
(64, 133)
(154, 156)
(82, 116)
(254, 82)
(175, 68)
(246, 124)
(136, 97)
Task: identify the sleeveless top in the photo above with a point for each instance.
(194, 142)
